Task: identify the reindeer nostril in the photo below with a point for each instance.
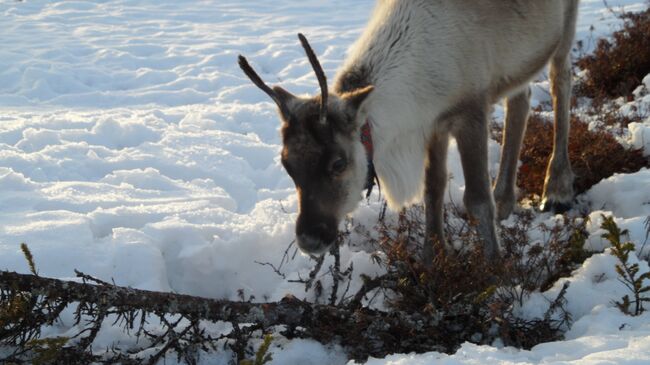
(315, 234)
(312, 245)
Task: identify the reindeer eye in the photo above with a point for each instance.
(339, 165)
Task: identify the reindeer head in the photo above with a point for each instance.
(321, 152)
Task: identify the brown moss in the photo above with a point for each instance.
(594, 155)
(617, 67)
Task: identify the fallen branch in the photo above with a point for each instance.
(363, 332)
(290, 311)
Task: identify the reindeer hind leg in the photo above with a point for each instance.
(558, 184)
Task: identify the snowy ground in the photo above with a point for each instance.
(133, 148)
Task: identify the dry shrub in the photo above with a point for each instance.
(536, 265)
(617, 67)
(594, 154)
(608, 116)
(462, 296)
(452, 277)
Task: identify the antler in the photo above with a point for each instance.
(257, 80)
(322, 80)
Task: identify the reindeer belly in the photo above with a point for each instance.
(502, 45)
(518, 73)
(524, 46)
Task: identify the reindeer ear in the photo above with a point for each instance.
(356, 97)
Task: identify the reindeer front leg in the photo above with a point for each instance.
(471, 134)
(434, 191)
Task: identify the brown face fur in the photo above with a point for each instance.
(323, 161)
(321, 152)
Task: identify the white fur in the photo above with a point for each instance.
(452, 51)
(356, 182)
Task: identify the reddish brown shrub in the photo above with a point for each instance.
(462, 297)
(594, 155)
(614, 118)
(617, 67)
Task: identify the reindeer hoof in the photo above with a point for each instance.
(504, 209)
(555, 207)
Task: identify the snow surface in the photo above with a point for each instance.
(132, 148)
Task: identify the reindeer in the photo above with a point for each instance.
(422, 72)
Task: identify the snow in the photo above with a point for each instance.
(132, 148)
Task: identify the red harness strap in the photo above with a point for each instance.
(366, 140)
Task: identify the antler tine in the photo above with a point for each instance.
(257, 80)
(322, 80)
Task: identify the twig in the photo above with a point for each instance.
(87, 278)
(312, 274)
(275, 269)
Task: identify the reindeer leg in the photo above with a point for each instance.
(434, 191)
(558, 184)
(471, 134)
(517, 108)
